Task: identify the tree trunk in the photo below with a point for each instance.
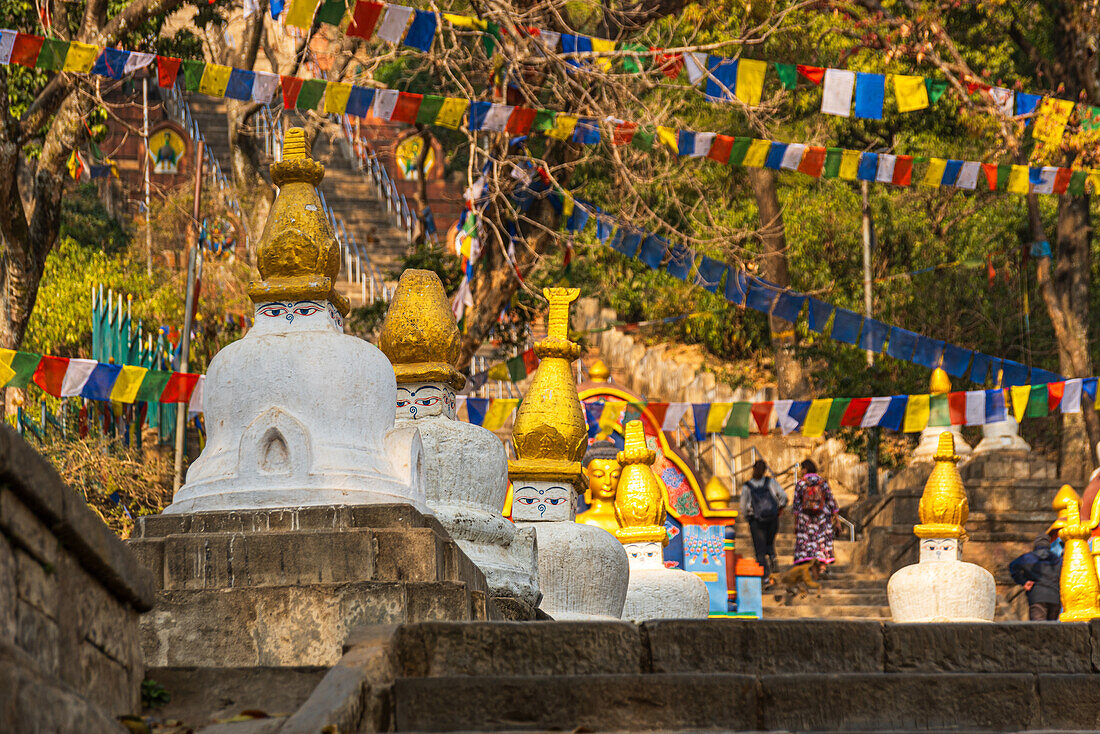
(789, 374)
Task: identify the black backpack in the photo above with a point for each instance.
(764, 506)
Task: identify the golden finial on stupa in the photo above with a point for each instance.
(419, 334)
(1079, 585)
(943, 506)
(639, 501)
(940, 384)
(550, 434)
(717, 494)
(599, 371)
(298, 256)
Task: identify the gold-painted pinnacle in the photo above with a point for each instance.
(294, 145)
(557, 321)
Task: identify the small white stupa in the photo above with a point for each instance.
(465, 466)
(297, 412)
(940, 384)
(942, 588)
(1002, 435)
(582, 568)
(655, 592)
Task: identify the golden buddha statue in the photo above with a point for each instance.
(603, 471)
(1079, 585)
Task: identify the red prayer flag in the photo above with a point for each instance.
(903, 170)
(1061, 180)
(853, 414)
(364, 18)
(814, 73)
(990, 170)
(721, 148)
(624, 133)
(761, 413)
(813, 160)
(658, 410)
(670, 64)
(956, 408)
(520, 121)
(25, 50)
(51, 374)
(972, 87)
(1054, 395)
(167, 69)
(179, 388)
(530, 360)
(291, 86)
(408, 104)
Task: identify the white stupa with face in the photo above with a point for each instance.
(465, 466)
(583, 570)
(297, 412)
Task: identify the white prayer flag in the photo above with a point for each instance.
(460, 401)
(975, 407)
(1005, 99)
(384, 102)
(194, 406)
(968, 175)
(886, 163)
(137, 60)
(792, 156)
(496, 119)
(673, 416)
(695, 64)
(250, 7)
(76, 376)
(7, 43)
(875, 410)
(550, 38)
(1046, 181)
(783, 416)
(836, 96)
(703, 141)
(264, 86)
(393, 26)
(1071, 396)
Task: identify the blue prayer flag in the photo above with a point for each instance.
(680, 261)
(685, 143)
(630, 242)
(901, 344)
(603, 228)
(951, 172)
(819, 314)
(1039, 376)
(722, 79)
(276, 9)
(1088, 389)
(111, 63)
(846, 326)
(895, 412)
(1026, 104)
(421, 31)
(1013, 373)
(653, 251)
(994, 406)
(587, 132)
(578, 219)
(761, 296)
(476, 408)
(868, 167)
(874, 335)
(101, 381)
(798, 411)
(710, 273)
(775, 155)
(592, 413)
(478, 111)
(359, 101)
(699, 412)
(240, 84)
(736, 287)
(870, 94)
(956, 360)
(788, 306)
(928, 352)
(979, 367)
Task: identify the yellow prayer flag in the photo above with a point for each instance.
(849, 164)
(669, 137)
(465, 21)
(910, 92)
(498, 413)
(336, 97)
(128, 382)
(1020, 395)
(603, 45)
(750, 81)
(934, 175)
(1093, 188)
(215, 78)
(916, 413)
(81, 57)
(816, 417)
(6, 372)
(301, 13)
(563, 126)
(717, 416)
(757, 153)
(1018, 182)
(1050, 119)
(567, 205)
(611, 416)
(497, 371)
(451, 112)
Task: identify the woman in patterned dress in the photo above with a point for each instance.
(815, 511)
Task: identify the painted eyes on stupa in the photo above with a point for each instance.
(532, 500)
(306, 310)
(402, 403)
(426, 402)
(274, 311)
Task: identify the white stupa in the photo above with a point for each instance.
(465, 466)
(1002, 435)
(297, 412)
(654, 592)
(582, 568)
(940, 384)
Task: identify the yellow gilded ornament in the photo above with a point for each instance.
(419, 334)
(940, 383)
(717, 494)
(298, 256)
(599, 372)
(550, 433)
(603, 472)
(639, 501)
(943, 506)
(1079, 585)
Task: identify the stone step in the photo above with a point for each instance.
(828, 612)
(826, 598)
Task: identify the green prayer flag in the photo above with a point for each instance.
(312, 91)
(517, 370)
(1004, 170)
(1077, 183)
(490, 37)
(833, 157)
(429, 109)
(939, 410)
(633, 412)
(643, 139)
(1037, 402)
(633, 64)
(94, 150)
(332, 12)
(152, 386)
(788, 75)
(738, 422)
(836, 412)
(24, 364)
(544, 120)
(192, 74)
(936, 88)
(1089, 117)
(52, 55)
(738, 150)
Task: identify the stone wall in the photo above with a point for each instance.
(70, 596)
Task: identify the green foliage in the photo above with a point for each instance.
(153, 694)
(364, 321)
(85, 219)
(439, 261)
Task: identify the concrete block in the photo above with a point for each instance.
(1070, 702)
(760, 647)
(1009, 647)
(438, 601)
(37, 635)
(24, 528)
(200, 695)
(7, 599)
(576, 703)
(409, 554)
(36, 583)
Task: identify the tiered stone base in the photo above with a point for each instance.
(285, 587)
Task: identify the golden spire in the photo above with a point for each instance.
(419, 334)
(550, 434)
(599, 371)
(717, 494)
(940, 383)
(943, 506)
(1079, 585)
(639, 501)
(298, 256)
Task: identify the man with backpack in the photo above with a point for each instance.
(1039, 572)
(762, 499)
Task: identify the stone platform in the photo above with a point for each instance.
(283, 587)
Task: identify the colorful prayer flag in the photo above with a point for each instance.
(817, 417)
(215, 78)
(126, 386)
(916, 413)
(81, 57)
(910, 92)
(836, 97)
(364, 18)
(300, 14)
